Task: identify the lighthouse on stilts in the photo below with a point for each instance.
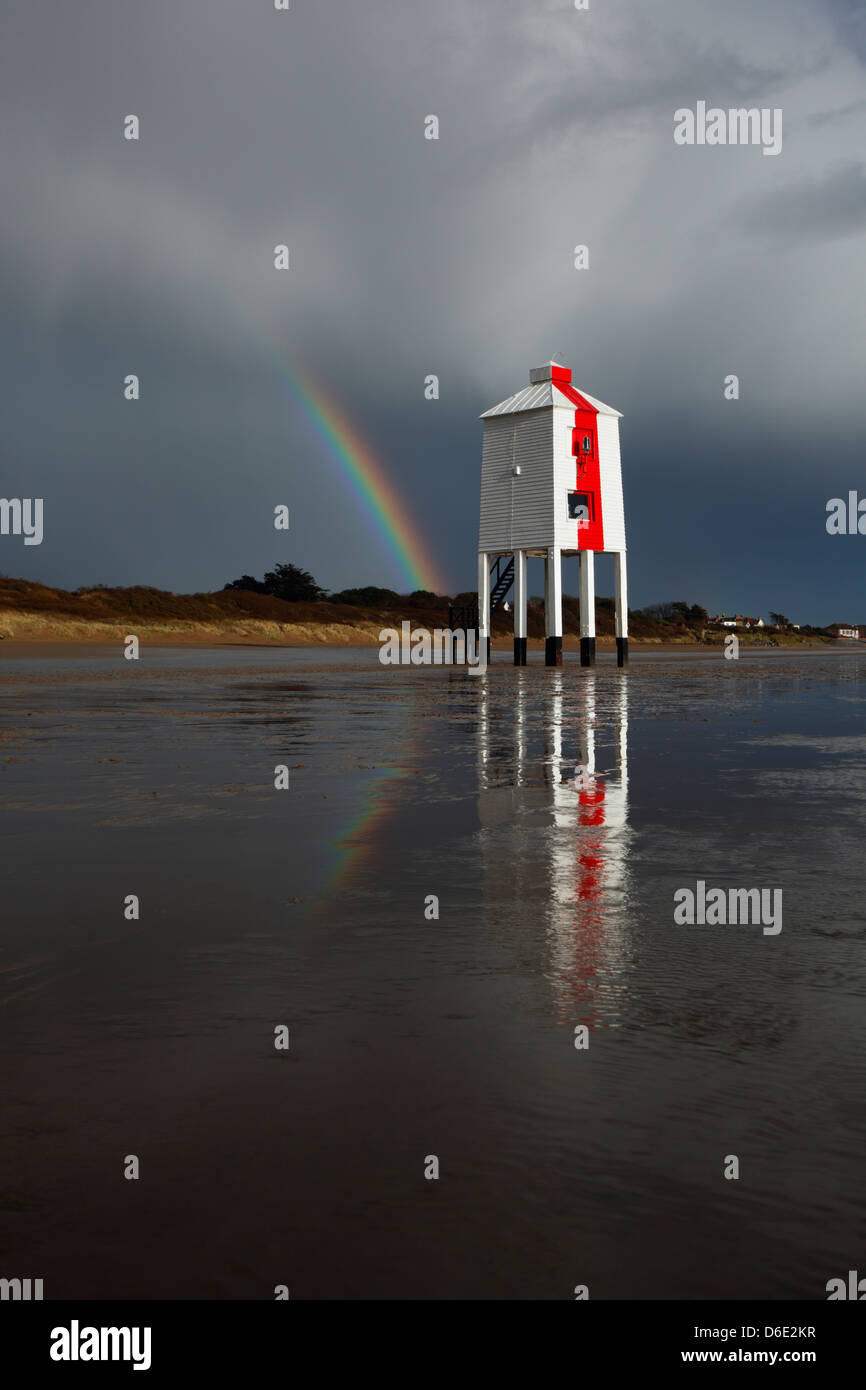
(551, 486)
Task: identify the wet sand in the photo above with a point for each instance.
(413, 1037)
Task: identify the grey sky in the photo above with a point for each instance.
(411, 257)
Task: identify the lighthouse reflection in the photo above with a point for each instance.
(553, 808)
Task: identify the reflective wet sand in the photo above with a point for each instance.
(553, 814)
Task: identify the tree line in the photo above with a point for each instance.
(296, 585)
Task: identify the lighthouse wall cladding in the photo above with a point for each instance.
(551, 486)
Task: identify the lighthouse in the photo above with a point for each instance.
(551, 486)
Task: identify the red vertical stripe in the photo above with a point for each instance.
(590, 536)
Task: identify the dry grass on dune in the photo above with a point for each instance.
(36, 612)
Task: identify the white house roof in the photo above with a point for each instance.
(546, 394)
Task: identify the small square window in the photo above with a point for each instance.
(580, 506)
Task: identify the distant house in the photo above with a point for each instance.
(738, 620)
(847, 631)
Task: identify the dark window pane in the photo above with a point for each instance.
(580, 506)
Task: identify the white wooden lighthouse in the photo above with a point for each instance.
(551, 486)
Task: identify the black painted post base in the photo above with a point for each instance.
(520, 651)
(622, 651)
(553, 651)
(587, 651)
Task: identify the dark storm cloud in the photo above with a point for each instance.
(663, 76)
(824, 118)
(410, 257)
(849, 17)
(820, 209)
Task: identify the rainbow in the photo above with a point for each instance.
(359, 838)
(370, 483)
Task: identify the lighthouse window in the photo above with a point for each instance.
(580, 506)
(587, 443)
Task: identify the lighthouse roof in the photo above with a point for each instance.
(599, 405)
(550, 385)
(532, 398)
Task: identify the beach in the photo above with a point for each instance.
(552, 815)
